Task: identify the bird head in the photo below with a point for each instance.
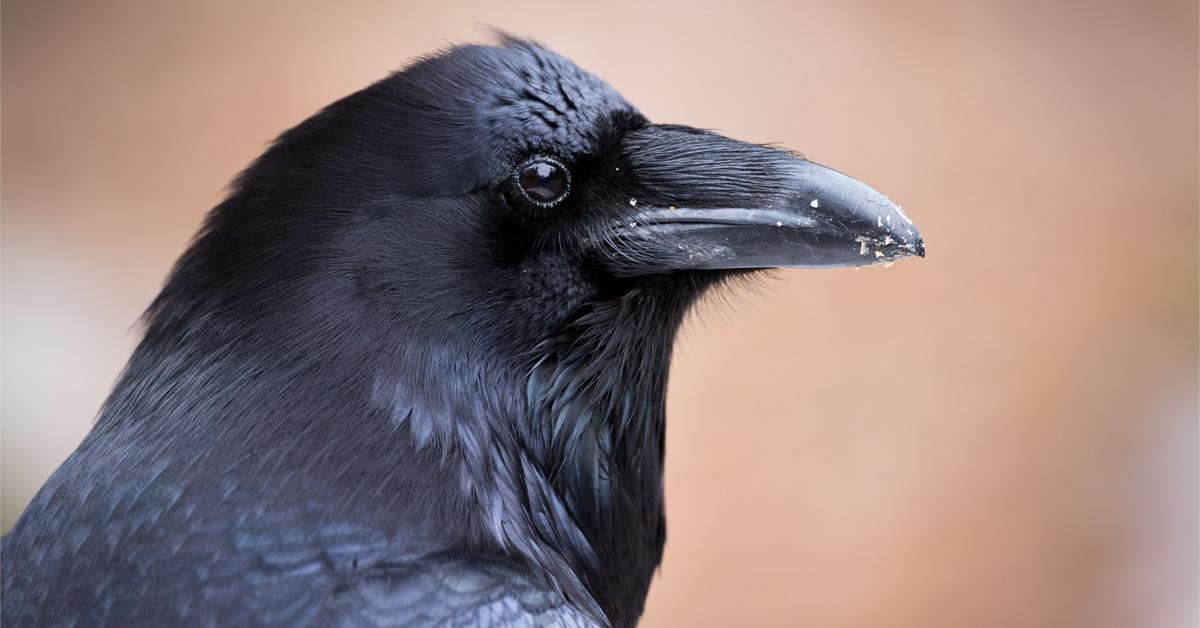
(498, 190)
(492, 249)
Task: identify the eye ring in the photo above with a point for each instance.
(542, 181)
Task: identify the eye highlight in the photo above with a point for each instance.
(544, 181)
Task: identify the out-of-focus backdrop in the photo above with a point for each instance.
(1003, 434)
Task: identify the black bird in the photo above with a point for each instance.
(412, 370)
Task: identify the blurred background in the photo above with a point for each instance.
(1003, 434)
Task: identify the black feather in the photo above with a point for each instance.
(377, 391)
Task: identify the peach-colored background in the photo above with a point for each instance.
(1004, 434)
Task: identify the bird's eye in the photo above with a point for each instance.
(544, 181)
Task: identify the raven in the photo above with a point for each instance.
(412, 369)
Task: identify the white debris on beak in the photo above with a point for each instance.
(814, 204)
(633, 201)
(862, 244)
(883, 249)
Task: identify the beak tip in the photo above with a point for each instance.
(902, 230)
(919, 247)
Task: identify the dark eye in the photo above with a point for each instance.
(544, 181)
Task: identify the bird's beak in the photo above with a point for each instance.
(714, 203)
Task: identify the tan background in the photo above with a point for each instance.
(1004, 434)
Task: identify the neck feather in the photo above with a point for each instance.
(596, 408)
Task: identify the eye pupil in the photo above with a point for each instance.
(543, 182)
